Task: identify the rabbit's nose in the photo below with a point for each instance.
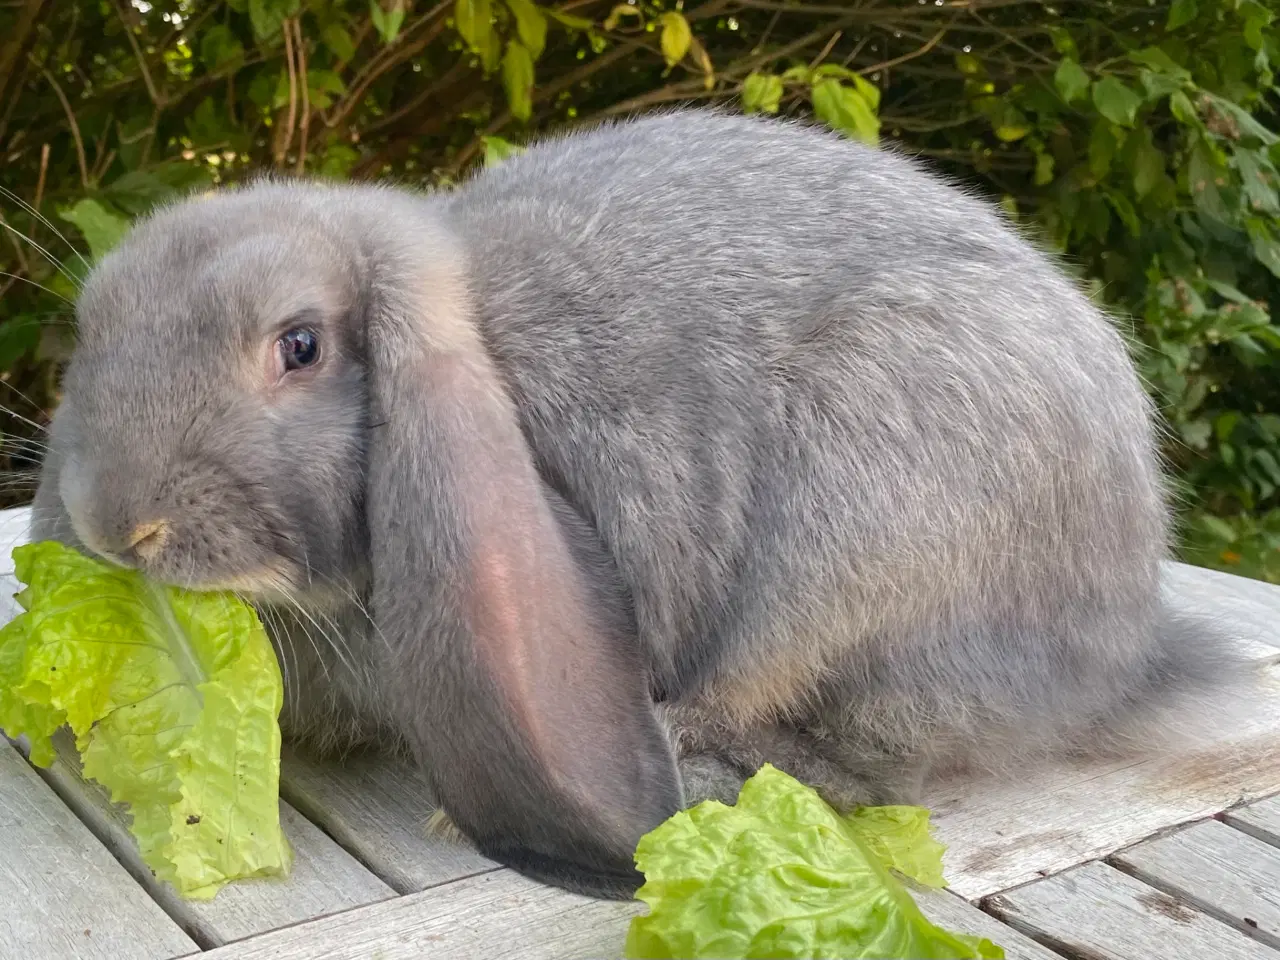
(146, 540)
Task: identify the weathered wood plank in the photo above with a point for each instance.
(1226, 873)
(62, 894)
(377, 809)
(324, 879)
(1000, 834)
(500, 914)
(1250, 607)
(492, 915)
(1096, 911)
(1260, 819)
(955, 913)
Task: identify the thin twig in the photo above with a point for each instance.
(137, 52)
(44, 171)
(822, 55)
(301, 54)
(284, 137)
(384, 61)
(23, 264)
(75, 127)
(918, 52)
(764, 37)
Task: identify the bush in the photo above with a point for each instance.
(1134, 137)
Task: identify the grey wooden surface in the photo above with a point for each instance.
(370, 883)
(62, 894)
(492, 916)
(1223, 871)
(323, 879)
(378, 809)
(1261, 820)
(1095, 911)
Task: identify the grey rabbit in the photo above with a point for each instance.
(660, 451)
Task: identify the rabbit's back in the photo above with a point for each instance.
(825, 410)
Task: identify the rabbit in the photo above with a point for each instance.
(666, 448)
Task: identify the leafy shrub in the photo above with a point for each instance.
(1133, 137)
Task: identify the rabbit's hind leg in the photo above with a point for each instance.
(715, 760)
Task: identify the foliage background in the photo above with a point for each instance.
(1134, 136)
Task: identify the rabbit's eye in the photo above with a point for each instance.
(300, 348)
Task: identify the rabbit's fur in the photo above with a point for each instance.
(698, 437)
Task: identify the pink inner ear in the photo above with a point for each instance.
(532, 632)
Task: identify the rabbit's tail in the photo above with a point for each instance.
(1197, 681)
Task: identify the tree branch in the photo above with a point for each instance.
(137, 52)
(13, 56)
(71, 122)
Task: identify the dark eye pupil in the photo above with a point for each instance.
(301, 348)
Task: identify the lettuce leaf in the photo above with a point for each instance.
(781, 874)
(174, 698)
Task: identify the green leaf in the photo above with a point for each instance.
(1243, 119)
(517, 79)
(1182, 110)
(677, 37)
(173, 697)
(568, 20)
(620, 12)
(1115, 101)
(19, 336)
(1218, 527)
(1265, 245)
(1071, 80)
(1156, 59)
(102, 228)
(1257, 176)
(1181, 13)
(337, 160)
(843, 108)
(1102, 149)
(220, 47)
(474, 21)
(268, 16)
(531, 25)
(1148, 169)
(968, 64)
(387, 22)
(1124, 210)
(339, 42)
(1044, 169)
(780, 874)
(496, 150)
(762, 93)
(1159, 85)
(323, 86)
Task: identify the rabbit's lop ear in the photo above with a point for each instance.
(524, 695)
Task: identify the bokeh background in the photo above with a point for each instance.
(1135, 137)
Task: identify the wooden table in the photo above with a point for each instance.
(1172, 856)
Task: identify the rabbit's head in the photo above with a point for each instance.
(214, 422)
(280, 390)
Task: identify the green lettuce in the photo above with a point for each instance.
(174, 698)
(780, 874)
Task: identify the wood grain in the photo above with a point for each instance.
(62, 894)
(1003, 833)
(1247, 607)
(954, 913)
(494, 915)
(1260, 819)
(1226, 873)
(1099, 913)
(377, 809)
(324, 878)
